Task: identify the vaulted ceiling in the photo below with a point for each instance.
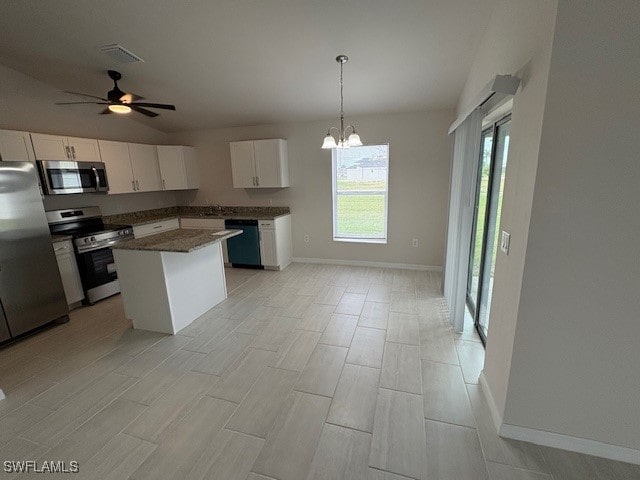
(249, 62)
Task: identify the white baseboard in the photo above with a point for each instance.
(1, 395)
(362, 263)
(573, 444)
(556, 440)
(496, 415)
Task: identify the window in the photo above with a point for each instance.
(360, 188)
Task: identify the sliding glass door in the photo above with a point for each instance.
(486, 224)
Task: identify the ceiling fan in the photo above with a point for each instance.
(118, 101)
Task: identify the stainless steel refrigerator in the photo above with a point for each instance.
(31, 292)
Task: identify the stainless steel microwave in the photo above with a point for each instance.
(62, 177)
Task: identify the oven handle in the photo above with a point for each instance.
(95, 174)
(101, 246)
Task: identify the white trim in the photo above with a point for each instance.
(573, 444)
(2, 397)
(363, 263)
(496, 416)
(500, 84)
(556, 440)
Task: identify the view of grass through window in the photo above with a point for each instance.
(360, 181)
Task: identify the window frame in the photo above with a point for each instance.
(334, 183)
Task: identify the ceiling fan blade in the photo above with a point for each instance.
(80, 103)
(86, 95)
(130, 97)
(155, 105)
(105, 111)
(143, 111)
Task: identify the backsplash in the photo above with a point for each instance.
(212, 212)
(112, 204)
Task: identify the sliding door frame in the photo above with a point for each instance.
(474, 309)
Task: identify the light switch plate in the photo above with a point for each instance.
(505, 239)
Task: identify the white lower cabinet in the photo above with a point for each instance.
(69, 272)
(275, 242)
(147, 229)
(215, 224)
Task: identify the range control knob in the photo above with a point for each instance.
(93, 239)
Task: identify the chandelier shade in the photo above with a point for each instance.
(341, 140)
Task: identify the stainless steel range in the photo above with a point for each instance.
(92, 240)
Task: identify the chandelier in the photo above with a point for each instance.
(342, 141)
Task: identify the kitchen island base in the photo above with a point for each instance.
(166, 291)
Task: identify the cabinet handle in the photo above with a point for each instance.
(164, 185)
(257, 181)
(133, 185)
(68, 151)
(137, 185)
(73, 152)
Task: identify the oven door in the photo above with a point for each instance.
(98, 273)
(63, 177)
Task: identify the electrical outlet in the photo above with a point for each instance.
(306, 239)
(505, 239)
(414, 242)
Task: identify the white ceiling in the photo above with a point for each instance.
(249, 62)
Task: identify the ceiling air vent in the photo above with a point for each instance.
(119, 53)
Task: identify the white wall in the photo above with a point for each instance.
(420, 153)
(29, 105)
(577, 349)
(517, 41)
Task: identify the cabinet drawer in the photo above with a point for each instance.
(156, 227)
(212, 223)
(269, 224)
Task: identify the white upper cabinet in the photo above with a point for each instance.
(84, 149)
(115, 156)
(16, 146)
(131, 167)
(54, 147)
(260, 163)
(243, 165)
(50, 147)
(178, 168)
(144, 164)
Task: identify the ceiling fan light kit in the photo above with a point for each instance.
(119, 108)
(342, 141)
(120, 102)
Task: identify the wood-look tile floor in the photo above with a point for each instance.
(315, 372)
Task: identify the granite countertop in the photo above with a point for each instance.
(180, 240)
(159, 214)
(60, 238)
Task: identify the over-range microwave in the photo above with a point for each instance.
(62, 177)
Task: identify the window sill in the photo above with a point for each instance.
(379, 241)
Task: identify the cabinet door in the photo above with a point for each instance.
(115, 156)
(144, 164)
(191, 167)
(268, 251)
(268, 161)
(84, 149)
(49, 147)
(242, 164)
(15, 146)
(171, 167)
(68, 272)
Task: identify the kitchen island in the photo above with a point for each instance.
(169, 279)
